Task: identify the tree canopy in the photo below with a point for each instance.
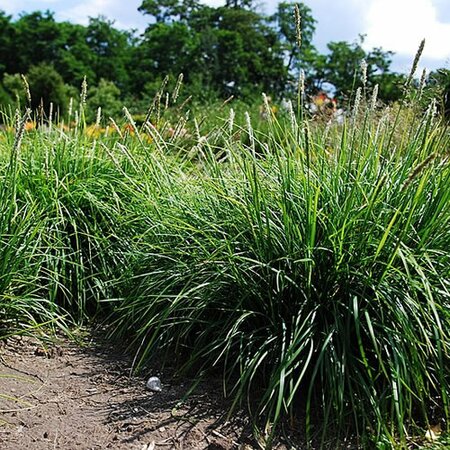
(222, 51)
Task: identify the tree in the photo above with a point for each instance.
(247, 55)
(438, 87)
(110, 49)
(75, 58)
(105, 95)
(47, 86)
(167, 11)
(341, 69)
(284, 23)
(5, 99)
(167, 49)
(7, 36)
(239, 4)
(227, 50)
(297, 58)
(14, 89)
(36, 40)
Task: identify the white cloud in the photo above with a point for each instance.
(400, 25)
(5, 5)
(125, 16)
(81, 12)
(17, 6)
(217, 3)
(337, 20)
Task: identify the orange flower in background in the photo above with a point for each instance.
(128, 128)
(93, 131)
(30, 125)
(323, 105)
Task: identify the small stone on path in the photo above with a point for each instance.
(154, 384)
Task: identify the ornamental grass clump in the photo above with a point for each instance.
(306, 263)
(313, 271)
(60, 215)
(18, 228)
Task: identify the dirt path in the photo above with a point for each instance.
(70, 397)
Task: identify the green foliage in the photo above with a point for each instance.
(170, 10)
(56, 242)
(75, 58)
(36, 40)
(14, 88)
(222, 51)
(170, 47)
(311, 265)
(5, 99)
(106, 96)
(341, 68)
(21, 307)
(47, 86)
(248, 53)
(297, 58)
(7, 35)
(439, 89)
(110, 50)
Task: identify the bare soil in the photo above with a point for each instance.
(67, 396)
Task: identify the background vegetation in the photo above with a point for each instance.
(222, 51)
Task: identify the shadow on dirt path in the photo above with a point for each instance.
(65, 396)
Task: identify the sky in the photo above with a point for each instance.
(396, 25)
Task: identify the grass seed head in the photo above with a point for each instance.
(422, 82)
(181, 107)
(26, 87)
(293, 120)
(228, 100)
(20, 129)
(419, 169)
(301, 82)
(131, 121)
(250, 129)
(99, 117)
(298, 28)
(431, 110)
(231, 121)
(70, 108)
(166, 105)
(364, 72)
(415, 62)
(116, 127)
(83, 94)
(50, 113)
(176, 91)
(197, 130)
(374, 98)
(356, 104)
(267, 109)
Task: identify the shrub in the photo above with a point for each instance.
(47, 86)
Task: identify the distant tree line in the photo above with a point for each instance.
(222, 51)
